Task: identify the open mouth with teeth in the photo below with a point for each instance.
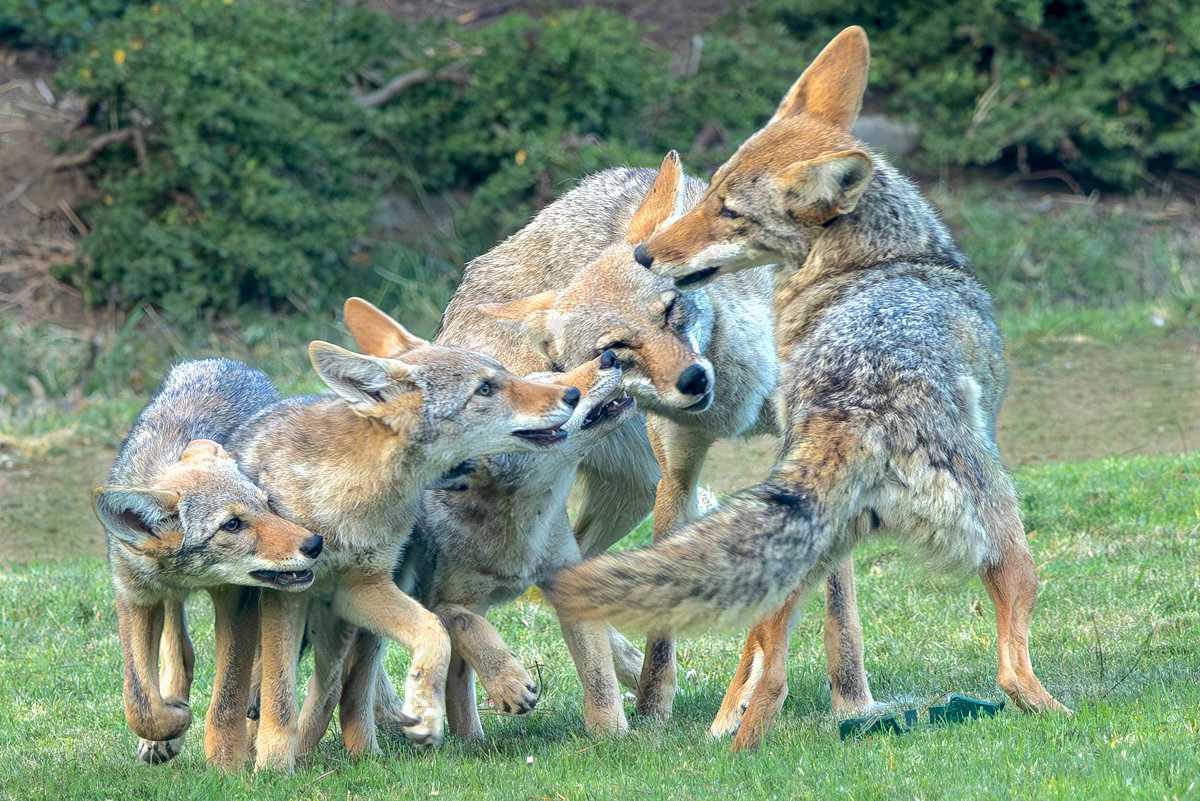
(698, 277)
(542, 436)
(284, 580)
(606, 410)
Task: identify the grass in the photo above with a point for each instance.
(1115, 636)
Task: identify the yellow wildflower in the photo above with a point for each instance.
(119, 57)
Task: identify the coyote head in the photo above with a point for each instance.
(783, 187)
(450, 402)
(204, 523)
(657, 333)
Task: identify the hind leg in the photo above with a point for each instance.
(844, 644)
(741, 689)
(1011, 581)
(768, 693)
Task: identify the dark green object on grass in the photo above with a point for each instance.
(958, 709)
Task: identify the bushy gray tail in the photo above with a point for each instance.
(724, 570)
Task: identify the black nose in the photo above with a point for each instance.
(312, 546)
(571, 397)
(642, 257)
(693, 381)
(608, 360)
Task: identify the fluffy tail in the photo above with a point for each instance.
(723, 570)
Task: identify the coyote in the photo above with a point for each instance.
(892, 373)
(352, 467)
(701, 365)
(181, 516)
(486, 537)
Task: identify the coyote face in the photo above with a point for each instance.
(203, 523)
(452, 402)
(657, 333)
(602, 404)
(782, 188)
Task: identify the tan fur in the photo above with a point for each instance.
(500, 530)
(181, 516)
(660, 335)
(891, 374)
(352, 467)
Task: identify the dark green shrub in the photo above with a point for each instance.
(59, 25)
(1104, 89)
(255, 183)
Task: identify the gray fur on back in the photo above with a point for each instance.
(198, 399)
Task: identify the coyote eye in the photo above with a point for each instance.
(232, 524)
(485, 389)
(620, 344)
(728, 213)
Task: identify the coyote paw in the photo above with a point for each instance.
(428, 729)
(511, 689)
(156, 752)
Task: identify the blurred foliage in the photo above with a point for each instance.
(1106, 90)
(257, 178)
(57, 25)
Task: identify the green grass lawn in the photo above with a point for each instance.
(1116, 636)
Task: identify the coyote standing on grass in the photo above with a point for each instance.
(352, 467)
(181, 516)
(701, 364)
(892, 374)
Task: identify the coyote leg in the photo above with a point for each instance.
(680, 453)
(175, 680)
(844, 644)
(1011, 581)
(771, 689)
(236, 630)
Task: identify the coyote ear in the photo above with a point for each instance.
(203, 449)
(522, 310)
(359, 380)
(830, 185)
(376, 333)
(661, 202)
(132, 514)
(833, 85)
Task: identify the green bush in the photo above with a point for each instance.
(59, 25)
(1104, 89)
(256, 183)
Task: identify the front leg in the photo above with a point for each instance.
(374, 602)
(278, 722)
(508, 684)
(149, 715)
(680, 453)
(178, 660)
(591, 650)
(235, 630)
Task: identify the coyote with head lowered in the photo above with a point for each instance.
(181, 516)
(891, 375)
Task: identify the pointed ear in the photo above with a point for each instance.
(522, 310)
(132, 514)
(359, 380)
(660, 203)
(830, 185)
(833, 85)
(199, 450)
(375, 332)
